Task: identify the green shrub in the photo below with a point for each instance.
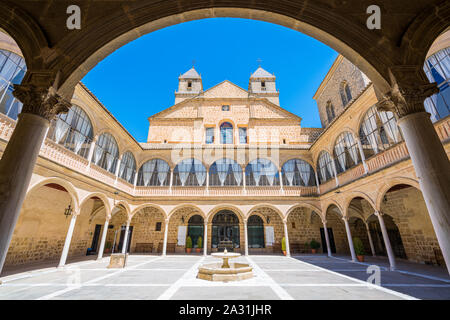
(359, 247)
(199, 242)
(314, 244)
(108, 245)
(283, 244)
(188, 242)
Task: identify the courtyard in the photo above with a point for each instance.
(173, 277)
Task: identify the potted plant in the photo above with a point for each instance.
(108, 247)
(359, 249)
(199, 245)
(314, 246)
(283, 245)
(188, 244)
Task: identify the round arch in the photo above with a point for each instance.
(186, 205)
(317, 155)
(210, 215)
(102, 198)
(357, 194)
(69, 187)
(389, 183)
(265, 205)
(82, 105)
(330, 203)
(160, 157)
(125, 205)
(147, 205)
(304, 205)
(293, 157)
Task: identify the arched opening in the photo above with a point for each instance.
(127, 169)
(147, 226)
(189, 172)
(179, 228)
(225, 172)
(358, 210)
(297, 172)
(393, 234)
(270, 230)
(255, 232)
(73, 130)
(226, 133)
(330, 111)
(196, 231)
(225, 231)
(346, 152)
(262, 172)
(305, 225)
(325, 165)
(154, 172)
(117, 228)
(336, 231)
(346, 94)
(106, 153)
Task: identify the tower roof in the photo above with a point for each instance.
(261, 73)
(190, 74)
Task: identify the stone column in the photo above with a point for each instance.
(171, 181)
(207, 181)
(40, 105)
(387, 242)
(363, 157)
(369, 236)
(281, 180)
(409, 89)
(66, 248)
(166, 232)
(91, 152)
(116, 173)
(317, 182)
(205, 239)
(327, 239)
(246, 237)
(102, 242)
(335, 171)
(244, 181)
(288, 251)
(350, 240)
(125, 238)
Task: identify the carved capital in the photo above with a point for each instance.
(42, 101)
(408, 91)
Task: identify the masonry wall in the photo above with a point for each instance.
(303, 226)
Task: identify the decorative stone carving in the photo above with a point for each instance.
(42, 101)
(408, 91)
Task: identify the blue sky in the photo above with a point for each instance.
(139, 79)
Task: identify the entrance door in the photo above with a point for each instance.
(94, 244)
(225, 230)
(324, 241)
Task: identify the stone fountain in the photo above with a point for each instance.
(225, 271)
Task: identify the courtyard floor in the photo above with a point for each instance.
(275, 277)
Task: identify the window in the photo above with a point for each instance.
(158, 226)
(330, 112)
(255, 230)
(346, 95)
(189, 86)
(325, 167)
(262, 172)
(127, 169)
(226, 133)
(243, 135)
(189, 172)
(226, 107)
(12, 71)
(378, 131)
(225, 172)
(346, 152)
(154, 172)
(437, 69)
(263, 85)
(73, 130)
(106, 153)
(209, 134)
(297, 172)
(284, 141)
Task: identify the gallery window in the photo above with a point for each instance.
(226, 133)
(226, 107)
(346, 152)
(127, 169)
(325, 167)
(106, 152)
(209, 135)
(243, 135)
(155, 172)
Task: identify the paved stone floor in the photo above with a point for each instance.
(276, 277)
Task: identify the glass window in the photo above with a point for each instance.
(346, 95)
(346, 152)
(127, 168)
(261, 172)
(155, 172)
(437, 69)
(297, 172)
(243, 135)
(12, 71)
(325, 167)
(209, 135)
(330, 111)
(255, 227)
(378, 131)
(226, 133)
(225, 172)
(73, 130)
(158, 226)
(106, 153)
(226, 108)
(189, 172)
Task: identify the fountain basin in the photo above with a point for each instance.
(215, 272)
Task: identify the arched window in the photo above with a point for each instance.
(189, 172)
(154, 173)
(325, 166)
(297, 172)
(106, 153)
(225, 172)
(437, 69)
(12, 71)
(346, 152)
(261, 172)
(346, 95)
(378, 131)
(127, 168)
(330, 112)
(73, 130)
(226, 133)
(255, 228)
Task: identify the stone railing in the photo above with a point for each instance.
(351, 174)
(328, 185)
(385, 158)
(443, 128)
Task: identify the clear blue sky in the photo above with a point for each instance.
(139, 79)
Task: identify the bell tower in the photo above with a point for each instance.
(189, 85)
(262, 85)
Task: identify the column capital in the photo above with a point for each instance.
(324, 221)
(408, 91)
(344, 218)
(43, 101)
(378, 213)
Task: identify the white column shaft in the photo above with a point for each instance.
(327, 239)
(317, 182)
(66, 248)
(246, 237)
(288, 251)
(205, 240)
(102, 242)
(387, 242)
(125, 238)
(335, 172)
(350, 240)
(369, 236)
(166, 232)
(363, 157)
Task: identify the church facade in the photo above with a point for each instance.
(227, 167)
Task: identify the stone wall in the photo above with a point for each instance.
(303, 226)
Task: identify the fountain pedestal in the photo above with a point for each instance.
(225, 271)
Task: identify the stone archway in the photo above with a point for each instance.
(148, 231)
(304, 225)
(226, 233)
(335, 223)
